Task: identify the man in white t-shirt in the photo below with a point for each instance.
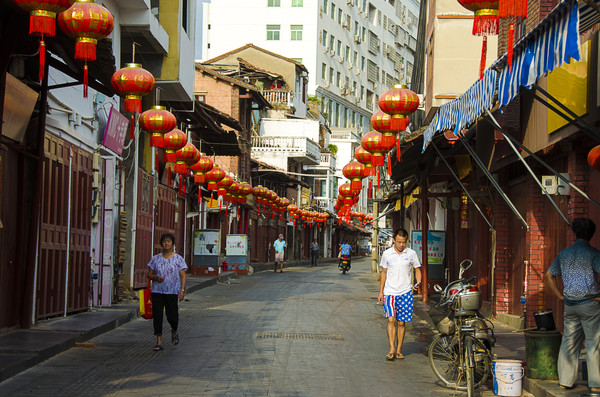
(395, 289)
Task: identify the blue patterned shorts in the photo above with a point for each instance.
(399, 306)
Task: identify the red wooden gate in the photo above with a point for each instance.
(62, 230)
(143, 234)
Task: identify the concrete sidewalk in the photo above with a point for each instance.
(24, 348)
(510, 344)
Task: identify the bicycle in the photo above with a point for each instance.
(460, 356)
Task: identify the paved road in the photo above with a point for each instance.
(304, 332)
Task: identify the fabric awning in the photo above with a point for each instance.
(554, 41)
(463, 111)
(550, 44)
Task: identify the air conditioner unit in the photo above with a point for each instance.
(325, 49)
(350, 3)
(357, 72)
(554, 185)
(401, 66)
(344, 91)
(332, 52)
(341, 60)
(345, 24)
(326, 85)
(357, 99)
(96, 161)
(357, 39)
(421, 102)
(96, 179)
(349, 66)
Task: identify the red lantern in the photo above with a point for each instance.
(202, 166)
(213, 177)
(372, 143)
(593, 157)
(245, 191)
(173, 141)
(381, 122)
(233, 192)
(354, 171)
(398, 102)
(345, 190)
(87, 22)
(186, 156)
(293, 210)
(42, 15)
(132, 82)
(364, 157)
(484, 24)
(224, 184)
(157, 121)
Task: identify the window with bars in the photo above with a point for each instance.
(374, 43)
(296, 32)
(273, 3)
(372, 72)
(273, 32)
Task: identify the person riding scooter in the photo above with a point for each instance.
(345, 250)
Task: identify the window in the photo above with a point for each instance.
(331, 41)
(362, 64)
(325, 6)
(299, 60)
(324, 37)
(339, 16)
(339, 48)
(345, 120)
(332, 11)
(347, 54)
(336, 115)
(355, 59)
(296, 32)
(363, 34)
(362, 95)
(330, 75)
(354, 87)
(273, 3)
(356, 28)
(323, 71)
(273, 32)
(297, 3)
(337, 79)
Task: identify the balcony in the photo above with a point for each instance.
(304, 149)
(278, 96)
(344, 133)
(328, 162)
(325, 203)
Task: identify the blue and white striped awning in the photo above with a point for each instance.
(554, 41)
(464, 110)
(550, 44)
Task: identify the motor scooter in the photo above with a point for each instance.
(344, 264)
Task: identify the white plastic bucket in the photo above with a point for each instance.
(508, 376)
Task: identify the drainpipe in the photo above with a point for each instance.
(68, 232)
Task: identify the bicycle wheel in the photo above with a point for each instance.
(444, 359)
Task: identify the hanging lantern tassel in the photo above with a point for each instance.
(85, 80)
(370, 188)
(483, 57)
(211, 200)
(42, 59)
(389, 165)
(398, 150)
(220, 202)
(378, 177)
(199, 195)
(132, 128)
(156, 163)
(509, 56)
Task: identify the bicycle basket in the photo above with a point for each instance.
(443, 318)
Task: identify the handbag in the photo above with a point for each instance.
(145, 297)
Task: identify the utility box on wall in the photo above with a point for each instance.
(555, 185)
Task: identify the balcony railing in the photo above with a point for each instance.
(344, 134)
(328, 160)
(324, 203)
(278, 96)
(293, 146)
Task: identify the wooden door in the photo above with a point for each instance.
(517, 249)
(143, 234)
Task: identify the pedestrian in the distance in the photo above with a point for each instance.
(579, 267)
(279, 246)
(314, 252)
(396, 289)
(167, 271)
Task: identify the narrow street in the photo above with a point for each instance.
(304, 332)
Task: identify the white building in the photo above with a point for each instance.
(353, 50)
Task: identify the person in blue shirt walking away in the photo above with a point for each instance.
(279, 246)
(167, 271)
(579, 267)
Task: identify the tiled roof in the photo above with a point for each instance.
(250, 45)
